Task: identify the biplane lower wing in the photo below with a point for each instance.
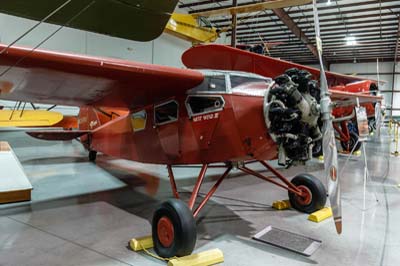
(68, 79)
(58, 134)
(29, 118)
(222, 57)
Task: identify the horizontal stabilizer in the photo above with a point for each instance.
(58, 134)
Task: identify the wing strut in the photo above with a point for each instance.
(47, 38)
(36, 25)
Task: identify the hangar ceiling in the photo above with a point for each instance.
(374, 25)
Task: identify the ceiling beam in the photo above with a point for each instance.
(274, 27)
(288, 21)
(396, 52)
(234, 25)
(199, 3)
(360, 9)
(304, 20)
(390, 23)
(335, 35)
(323, 7)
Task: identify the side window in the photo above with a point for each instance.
(138, 120)
(204, 104)
(212, 84)
(166, 113)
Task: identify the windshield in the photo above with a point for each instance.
(243, 84)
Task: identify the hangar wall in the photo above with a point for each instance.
(386, 73)
(77, 41)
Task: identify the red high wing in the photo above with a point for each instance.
(68, 79)
(214, 56)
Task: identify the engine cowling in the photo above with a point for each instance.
(292, 112)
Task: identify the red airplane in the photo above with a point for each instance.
(164, 115)
(227, 58)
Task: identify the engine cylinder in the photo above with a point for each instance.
(292, 112)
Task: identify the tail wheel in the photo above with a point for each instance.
(353, 142)
(314, 194)
(173, 229)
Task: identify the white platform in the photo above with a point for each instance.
(14, 185)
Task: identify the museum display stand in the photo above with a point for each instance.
(14, 185)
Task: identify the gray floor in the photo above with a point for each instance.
(84, 213)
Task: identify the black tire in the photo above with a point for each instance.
(92, 156)
(184, 229)
(317, 149)
(353, 141)
(315, 188)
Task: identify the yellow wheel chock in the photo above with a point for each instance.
(320, 215)
(205, 258)
(281, 204)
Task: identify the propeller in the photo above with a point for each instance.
(328, 141)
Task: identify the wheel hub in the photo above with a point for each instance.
(306, 197)
(165, 231)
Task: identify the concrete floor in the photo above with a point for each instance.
(84, 214)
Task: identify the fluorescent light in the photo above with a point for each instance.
(328, 3)
(350, 40)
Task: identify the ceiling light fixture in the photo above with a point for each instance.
(350, 40)
(328, 3)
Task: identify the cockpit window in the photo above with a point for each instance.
(212, 84)
(246, 82)
(249, 85)
(166, 113)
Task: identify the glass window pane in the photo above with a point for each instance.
(166, 113)
(199, 105)
(212, 83)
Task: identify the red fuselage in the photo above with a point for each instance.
(200, 127)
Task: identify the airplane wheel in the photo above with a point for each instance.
(352, 141)
(92, 156)
(315, 194)
(173, 229)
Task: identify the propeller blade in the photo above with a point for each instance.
(328, 141)
(331, 173)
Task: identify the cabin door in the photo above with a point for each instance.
(167, 127)
(205, 113)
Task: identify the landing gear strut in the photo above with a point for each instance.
(92, 155)
(174, 227)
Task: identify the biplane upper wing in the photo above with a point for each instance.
(67, 79)
(139, 20)
(214, 56)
